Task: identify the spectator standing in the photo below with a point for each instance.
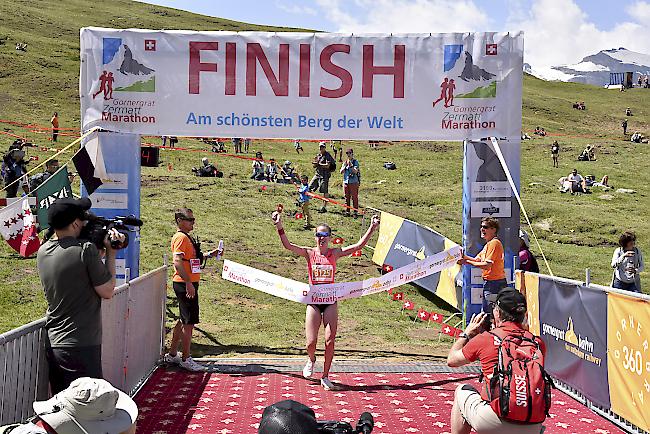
(303, 200)
(75, 281)
(187, 273)
(247, 144)
(527, 261)
(627, 263)
(555, 153)
(55, 126)
(236, 142)
(490, 260)
(624, 126)
(471, 408)
(351, 181)
(296, 145)
(324, 165)
(14, 168)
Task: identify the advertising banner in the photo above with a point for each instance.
(573, 323)
(487, 193)
(119, 194)
(55, 187)
(628, 358)
(401, 242)
(528, 284)
(331, 293)
(452, 86)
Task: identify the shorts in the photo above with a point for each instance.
(483, 419)
(492, 287)
(322, 307)
(66, 364)
(188, 307)
(322, 184)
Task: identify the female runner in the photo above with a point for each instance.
(321, 265)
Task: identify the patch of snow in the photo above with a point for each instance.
(631, 57)
(550, 74)
(586, 67)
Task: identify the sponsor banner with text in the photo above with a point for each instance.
(448, 86)
(330, 293)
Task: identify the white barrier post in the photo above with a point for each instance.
(587, 277)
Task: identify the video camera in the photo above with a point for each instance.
(364, 426)
(97, 227)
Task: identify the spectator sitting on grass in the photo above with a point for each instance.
(574, 183)
(637, 137)
(588, 154)
(272, 171)
(258, 167)
(628, 112)
(590, 181)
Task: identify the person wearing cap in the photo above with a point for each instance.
(489, 260)
(527, 261)
(14, 167)
(323, 163)
(75, 281)
(471, 408)
(87, 406)
(351, 181)
(272, 171)
(51, 166)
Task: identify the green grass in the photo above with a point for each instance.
(575, 231)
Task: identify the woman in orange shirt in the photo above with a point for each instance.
(490, 260)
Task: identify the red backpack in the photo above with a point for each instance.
(520, 389)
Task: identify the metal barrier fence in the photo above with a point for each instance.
(575, 393)
(133, 333)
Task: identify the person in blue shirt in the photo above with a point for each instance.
(303, 200)
(351, 181)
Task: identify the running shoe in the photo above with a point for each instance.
(327, 384)
(173, 360)
(190, 365)
(308, 370)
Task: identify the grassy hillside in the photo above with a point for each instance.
(575, 231)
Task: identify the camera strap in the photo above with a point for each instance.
(197, 249)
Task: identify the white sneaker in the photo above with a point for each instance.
(173, 360)
(327, 384)
(308, 370)
(191, 365)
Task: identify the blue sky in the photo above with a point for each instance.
(556, 31)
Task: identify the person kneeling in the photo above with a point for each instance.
(207, 169)
(483, 411)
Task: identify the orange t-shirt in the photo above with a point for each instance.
(55, 122)
(182, 245)
(493, 251)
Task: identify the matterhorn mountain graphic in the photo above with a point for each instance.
(473, 72)
(132, 66)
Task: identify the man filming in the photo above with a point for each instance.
(473, 409)
(75, 281)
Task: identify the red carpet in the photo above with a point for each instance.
(181, 402)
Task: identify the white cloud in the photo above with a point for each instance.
(555, 31)
(639, 11)
(296, 9)
(405, 16)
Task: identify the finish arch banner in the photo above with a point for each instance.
(452, 86)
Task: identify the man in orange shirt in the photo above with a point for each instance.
(55, 126)
(490, 260)
(187, 273)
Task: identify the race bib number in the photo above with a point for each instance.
(195, 265)
(322, 273)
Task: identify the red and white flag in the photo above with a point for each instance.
(337, 240)
(423, 315)
(436, 317)
(398, 296)
(18, 228)
(451, 331)
(408, 305)
(356, 254)
(387, 268)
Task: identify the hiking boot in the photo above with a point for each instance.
(172, 360)
(190, 365)
(327, 384)
(308, 370)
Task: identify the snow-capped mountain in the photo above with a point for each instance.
(595, 69)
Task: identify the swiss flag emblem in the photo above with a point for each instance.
(356, 253)
(408, 305)
(491, 49)
(149, 45)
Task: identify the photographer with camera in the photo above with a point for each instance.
(14, 167)
(516, 393)
(188, 260)
(75, 281)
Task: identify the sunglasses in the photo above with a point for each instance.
(322, 234)
(188, 219)
(485, 227)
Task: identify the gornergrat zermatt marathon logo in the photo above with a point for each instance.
(465, 80)
(125, 70)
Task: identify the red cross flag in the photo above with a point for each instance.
(387, 268)
(398, 296)
(408, 305)
(18, 228)
(149, 45)
(337, 240)
(356, 254)
(298, 216)
(423, 314)
(451, 331)
(491, 49)
(436, 317)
